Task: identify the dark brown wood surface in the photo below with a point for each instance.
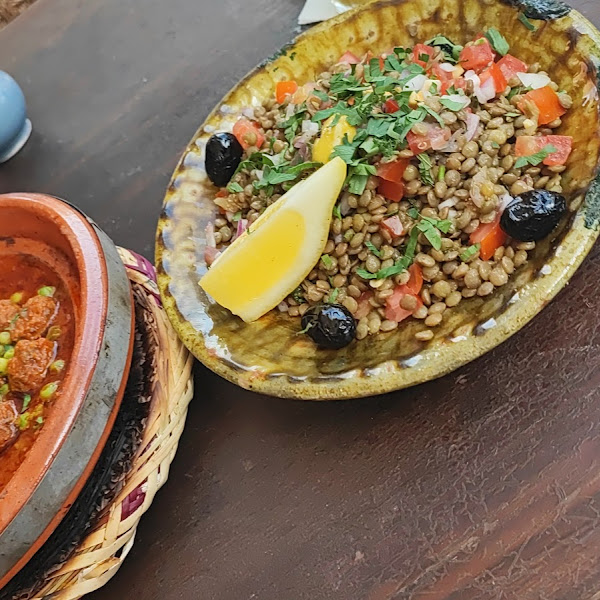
(482, 485)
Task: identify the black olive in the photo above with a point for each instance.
(533, 215)
(329, 325)
(223, 155)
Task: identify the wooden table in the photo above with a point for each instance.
(484, 484)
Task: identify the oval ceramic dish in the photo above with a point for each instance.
(79, 420)
(266, 355)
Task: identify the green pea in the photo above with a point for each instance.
(47, 290)
(26, 401)
(48, 390)
(23, 421)
(5, 338)
(57, 366)
(3, 366)
(9, 352)
(17, 298)
(4, 389)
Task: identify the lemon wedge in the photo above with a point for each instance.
(277, 252)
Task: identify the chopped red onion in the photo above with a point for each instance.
(473, 121)
(242, 225)
(486, 91)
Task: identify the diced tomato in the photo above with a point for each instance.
(391, 106)
(393, 310)
(222, 193)
(442, 74)
(248, 134)
(421, 50)
(415, 283)
(490, 237)
(527, 145)
(546, 99)
(364, 306)
(510, 66)
(458, 84)
(285, 89)
(391, 190)
(393, 225)
(349, 58)
(497, 75)
(477, 57)
(393, 171)
(436, 138)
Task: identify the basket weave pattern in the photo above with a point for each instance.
(102, 552)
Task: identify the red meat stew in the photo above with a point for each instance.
(36, 340)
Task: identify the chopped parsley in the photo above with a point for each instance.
(413, 213)
(430, 229)
(470, 252)
(450, 50)
(441, 173)
(425, 169)
(537, 158)
(337, 212)
(298, 295)
(326, 260)
(234, 188)
(373, 249)
(497, 41)
(523, 18)
(333, 296)
(453, 105)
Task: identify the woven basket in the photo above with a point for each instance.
(100, 555)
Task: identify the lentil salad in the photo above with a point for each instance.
(439, 140)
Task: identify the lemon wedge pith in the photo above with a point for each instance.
(279, 249)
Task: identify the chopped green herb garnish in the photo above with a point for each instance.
(433, 114)
(298, 295)
(523, 18)
(453, 105)
(293, 55)
(450, 50)
(425, 169)
(333, 296)
(469, 252)
(237, 216)
(517, 91)
(537, 158)
(429, 228)
(26, 401)
(413, 213)
(497, 41)
(441, 173)
(373, 249)
(337, 211)
(234, 188)
(326, 260)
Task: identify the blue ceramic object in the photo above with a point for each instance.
(15, 127)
